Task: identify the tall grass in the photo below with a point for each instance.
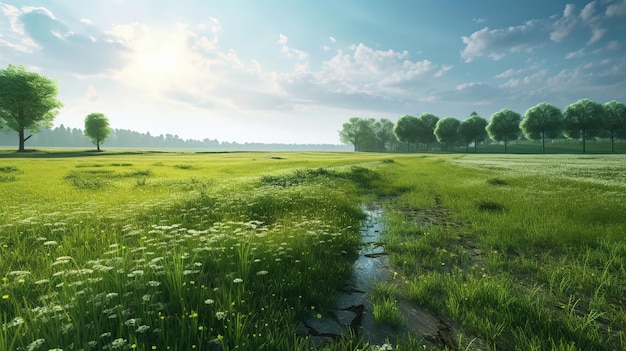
(179, 263)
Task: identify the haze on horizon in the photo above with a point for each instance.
(294, 72)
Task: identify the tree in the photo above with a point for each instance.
(383, 128)
(504, 126)
(583, 119)
(27, 101)
(97, 128)
(542, 121)
(358, 132)
(615, 121)
(426, 133)
(406, 130)
(472, 129)
(447, 131)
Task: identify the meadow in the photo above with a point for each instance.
(225, 251)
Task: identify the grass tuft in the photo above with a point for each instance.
(497, 181)
(489, 206)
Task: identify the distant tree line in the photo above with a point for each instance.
(62, 136)
(583, 120)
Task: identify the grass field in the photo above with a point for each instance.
(161, 250)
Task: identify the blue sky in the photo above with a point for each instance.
(295, 71)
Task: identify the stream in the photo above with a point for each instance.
(352, 312)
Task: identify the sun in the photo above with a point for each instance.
(156, 62)
(162, 59)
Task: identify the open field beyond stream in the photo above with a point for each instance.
(140, 250)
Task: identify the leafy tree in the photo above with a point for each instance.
(472, 129)
(447, 131)
(97, 128)
(406, 130)
(27, 101)
(583, 119)
(426, 133)
(358, 132)
(542, 121)
(383, 129)
(615, 121)
(504, 126)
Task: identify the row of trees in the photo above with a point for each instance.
(582, 120)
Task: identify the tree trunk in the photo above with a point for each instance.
(584, 143)
(612, 142)
(21, 137)
(98, 144)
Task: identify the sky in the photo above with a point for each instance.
(294, 71)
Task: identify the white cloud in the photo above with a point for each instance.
(596, 34)
(569, 10)
(36, 30)
(576, 54)
(443, 70)
(508, 73)
(587, 12)
(282, 39)
(496, 43)
(612, 45)
(564, 26)
(332, 39)
(569, 23)
(618, 9)
(291, 52)
(371, 71)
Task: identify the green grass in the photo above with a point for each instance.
(182, 250)
(135, 251)
(524, 252)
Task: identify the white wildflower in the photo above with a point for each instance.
(118, 343)
(35, 344)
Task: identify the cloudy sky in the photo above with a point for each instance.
(295, 71)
